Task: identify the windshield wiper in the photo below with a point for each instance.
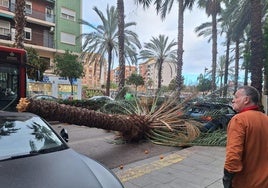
(32, 153)
(53, 149)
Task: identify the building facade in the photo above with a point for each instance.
(67, 14)
(51, 28)
(95, 74)
(149, 71)
(128, 71)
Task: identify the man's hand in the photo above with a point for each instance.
(227, 179)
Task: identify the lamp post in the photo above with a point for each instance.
(205, 70)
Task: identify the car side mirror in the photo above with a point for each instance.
(64, 134)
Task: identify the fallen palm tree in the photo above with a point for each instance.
(162, 125)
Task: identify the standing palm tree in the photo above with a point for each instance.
(104, 40)
(121, 38)
(220, 70)
(160, 50)
(237, 55)
(236, 15)
(212, 8)
(164, 7)
(226, 21)
(227, 62)
(182, 5)
(250, 13)
(246, 57)
(20, 22)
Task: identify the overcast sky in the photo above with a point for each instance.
(197, 50)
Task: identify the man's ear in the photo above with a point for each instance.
(246, 100)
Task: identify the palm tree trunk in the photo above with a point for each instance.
(132, 127)
(180, 48)
(163, 125)
(20, 22)
(256, 63)
(121, 26)
(108, 82)
(246, 61)
(246, 75)
(160, 75)
(236, 64)
(221, 77)
(226, 69)
(214, 51)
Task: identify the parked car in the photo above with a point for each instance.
(212, 115)
(34, 155)
(44, 97)
(101, 98)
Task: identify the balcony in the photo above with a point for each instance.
(5, 37)
(36, 14)
(44, 39)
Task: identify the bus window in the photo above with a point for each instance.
(12, 77)
(8, 86)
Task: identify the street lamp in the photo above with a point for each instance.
(205, 70)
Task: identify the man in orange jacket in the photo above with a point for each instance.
(246, 163)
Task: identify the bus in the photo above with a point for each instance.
(13, 62)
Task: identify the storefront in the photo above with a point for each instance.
(55, 86)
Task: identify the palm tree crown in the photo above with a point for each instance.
(103, 40)
(163, 7)
(161, 50)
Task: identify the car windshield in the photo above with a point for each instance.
(201, 110)
(23, 135)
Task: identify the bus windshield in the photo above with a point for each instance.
(8, 86)
(12, 77)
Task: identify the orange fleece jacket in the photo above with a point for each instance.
(247, 149)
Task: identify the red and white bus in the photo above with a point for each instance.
(12, 77)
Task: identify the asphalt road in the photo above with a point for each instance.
(105, 148)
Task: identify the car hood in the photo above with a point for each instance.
(62, 169)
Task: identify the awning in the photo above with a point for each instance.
(6, 15)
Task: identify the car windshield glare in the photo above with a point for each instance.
(25, 135)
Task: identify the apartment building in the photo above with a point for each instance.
(128, 71)
(149, 71)
(51, 29)
(67, 14)
(40, 23)
(95, 76)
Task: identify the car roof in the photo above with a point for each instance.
(16, 114)
(208, 104)
(42, 95)
(100, 97)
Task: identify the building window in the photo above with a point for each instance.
(67, 38)
(28, 7)
(49, 12)
(4, 27)
(27, 33)
(68, 14)
(4, 3)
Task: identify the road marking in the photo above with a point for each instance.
(132, 173)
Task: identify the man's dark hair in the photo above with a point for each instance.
(252, 92)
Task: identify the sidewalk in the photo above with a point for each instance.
(193, 167)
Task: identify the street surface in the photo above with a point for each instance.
(103, 147)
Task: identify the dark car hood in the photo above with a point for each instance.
(62, 169)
